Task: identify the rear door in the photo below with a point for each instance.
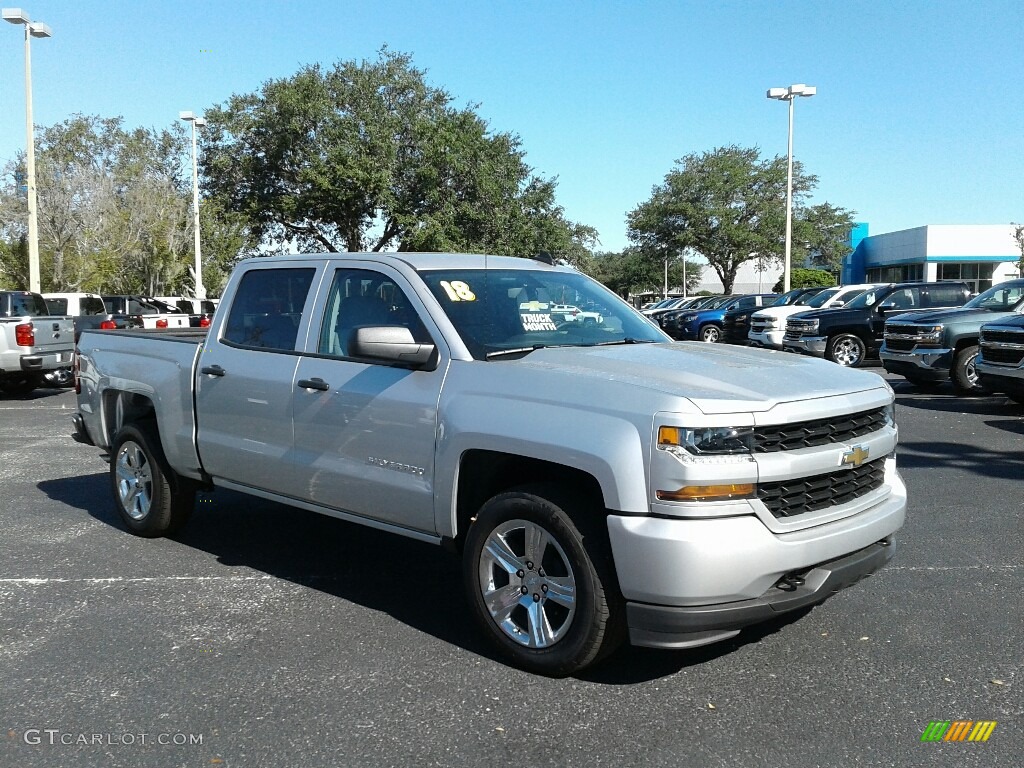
(245, 381)
(365, 431)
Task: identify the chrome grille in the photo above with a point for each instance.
(810, 494)
(807, 434)
(799, 326)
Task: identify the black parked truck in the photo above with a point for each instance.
(850, 334)
(929, 347)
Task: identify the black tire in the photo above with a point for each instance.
(710, 333)
(150, 498)
(964, 375)
(847, 350)
(19, 385)
(575, 552)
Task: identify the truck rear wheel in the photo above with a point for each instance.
(964, 374)
(151, 499)
(846, 349)
(539, 577)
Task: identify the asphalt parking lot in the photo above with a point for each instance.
(268, 636)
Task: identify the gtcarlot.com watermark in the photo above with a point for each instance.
(57, 737)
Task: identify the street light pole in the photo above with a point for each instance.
(790, 94)
(37, 29)
(197, 122)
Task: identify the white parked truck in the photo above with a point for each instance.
(768, 325)
(34, 344)
(600, 481)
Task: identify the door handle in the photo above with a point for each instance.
(316, 383)
(212, 370)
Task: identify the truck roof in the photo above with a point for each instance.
(424, 261)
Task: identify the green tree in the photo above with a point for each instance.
(807, 278)
(368, 156)
(1018, 235)
(821, 236)
(728, 205)
(635, 270)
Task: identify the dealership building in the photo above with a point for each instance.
(977, 254)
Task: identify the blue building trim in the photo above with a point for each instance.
(987, 259)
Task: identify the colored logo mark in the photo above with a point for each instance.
(856, 457)
(958, 730)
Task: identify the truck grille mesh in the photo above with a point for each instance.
(900, 345)
(810, 494)
(807, 434)
(1010, 337)
(1012, 357)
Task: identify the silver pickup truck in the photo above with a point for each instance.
(33, 343)
(600, 481)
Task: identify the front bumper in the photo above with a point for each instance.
(1000, 378)
(931, 364)
(772, 339)
(807, 345)
(659, 626)
(691, 581)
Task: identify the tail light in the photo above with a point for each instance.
(108, 325)
(204, 322)
(161, 323)
(77, 366)
(25, 335)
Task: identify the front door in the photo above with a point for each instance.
(364, 431)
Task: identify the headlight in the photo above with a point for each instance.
(707, 441)
(741, 318)
(890, 415)
(689, 318)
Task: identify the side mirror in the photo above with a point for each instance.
(838, 304)
(392, 344)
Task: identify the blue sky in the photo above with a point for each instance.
(919, 117)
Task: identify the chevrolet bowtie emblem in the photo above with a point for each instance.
(856, 457)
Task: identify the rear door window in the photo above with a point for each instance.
(945, 296)
(267, 308)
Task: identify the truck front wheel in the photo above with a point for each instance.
(151, 499)
(964, 374)
(539, 576)
(847, 349)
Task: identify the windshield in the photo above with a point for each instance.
(868, 298)
(499, 312)
(817, 299)
(999, 298)
(790, 298)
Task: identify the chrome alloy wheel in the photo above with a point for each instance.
(971, 371)
(527, 584)
(134, 480)
(846, 352)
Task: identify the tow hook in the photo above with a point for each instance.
(790, 582)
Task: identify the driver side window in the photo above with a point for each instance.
(361, 298)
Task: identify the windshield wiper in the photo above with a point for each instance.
(623, 341)
(517, 351)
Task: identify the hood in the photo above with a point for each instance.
(717, 378)
(959, 314)
(837, 313)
